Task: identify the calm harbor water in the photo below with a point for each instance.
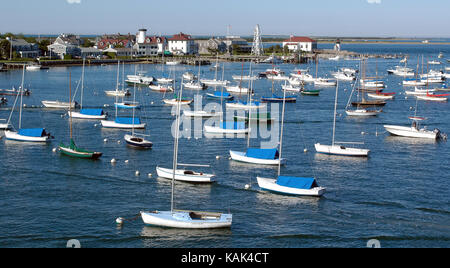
(399, 195)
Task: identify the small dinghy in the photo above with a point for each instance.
(296, 186)
(278, 99)
(117, 93)
(176, 101)
(195, 86)
(219, 95)
(135, 141)
(310, 92)
(258, 156)
(127, 105)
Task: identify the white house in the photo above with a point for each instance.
(298, 43)
(182, 44)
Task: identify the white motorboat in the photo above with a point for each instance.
(344, 76)
(291, 88)
(173, 63)
(373, 84)
(194, 85)
(139, 79)
(118, 93)
(237, 90)
(187, 76)
(214, 82)
(434, 62)
(413, 131)
(277, 77)
(185, 175)
(324, 82)
(244, 77)
(258, 156)
(33, 67)
(304, 77)
(414, 82)
(292, 186)
(164, 80)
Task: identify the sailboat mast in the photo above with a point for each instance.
(82, 84)
(175, 151)
(335, 113)
(282, 131)
(70, 104)
(134, 101)
(117, 84)
(21, 97)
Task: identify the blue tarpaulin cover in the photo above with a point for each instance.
(219, 94)
(297, 182)
(93, 112)
(32, 132)
(128, 121)
(269, 154)
(233, 125)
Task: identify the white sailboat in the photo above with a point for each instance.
(184, 219)
(25, 135)
(336, 148)
(117, 92)
(296, 186)
(59, 104)
(122, 122)
(90, 114)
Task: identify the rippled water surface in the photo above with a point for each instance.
(399, 195)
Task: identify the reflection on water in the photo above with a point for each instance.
(170, 237)
(269, 198)
(318, 157)
(410, 141)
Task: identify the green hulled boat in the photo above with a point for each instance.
(255, 117)
(74, 151)
(312, 92)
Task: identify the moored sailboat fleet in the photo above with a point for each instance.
(241, 98)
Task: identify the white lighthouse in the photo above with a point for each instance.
(142, 35)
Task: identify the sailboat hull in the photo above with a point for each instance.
(113, 124)
(187, 219)
(341, 150)
(184, 175)
(84, 116)
(271, 186)
(11, 135)
(77, 154)
(241, 157)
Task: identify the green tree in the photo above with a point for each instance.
(5, 47)
(43, 45)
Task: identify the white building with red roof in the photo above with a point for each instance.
(300, 43)
(182, 44)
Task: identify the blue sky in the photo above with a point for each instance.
(404, 18)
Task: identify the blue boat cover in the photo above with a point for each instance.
(298, 183)
(269, 154)
(32, 132)
(233, 125)
(128, 121)
(220, 94)
(93, 112)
